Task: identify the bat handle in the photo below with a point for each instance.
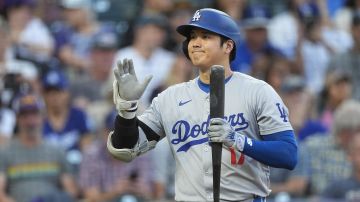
(216, 159)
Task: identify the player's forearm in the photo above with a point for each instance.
(126, 133)
(279, 152)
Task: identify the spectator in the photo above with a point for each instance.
(278, 70)
(287, 39)
(94, 86)
(255, 44)
(350, 60)
(65, 126)
(25, 71)
(300, 102)
(157, 7)
(338, 39)
(343, 16)
(92, 91)
(7, 123)
(347, 189)
(30, 168)
(147, 54)
(23, 26)
(323, 157)
(337, 90)
(73, 37)
(233, 8)
(181, 71)
(298, 13)
(103, 178)
(180, 15)
(315, 54)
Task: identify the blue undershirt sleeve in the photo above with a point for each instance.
(277, 150)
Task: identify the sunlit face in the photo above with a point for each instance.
(150, 36)
(30, 122)
(256, 37)
(205, 49)
(340, 91)
(18, 17)
(56, 99)
(102, 61)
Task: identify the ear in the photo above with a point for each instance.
(229, 46)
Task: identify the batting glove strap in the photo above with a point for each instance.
(239, 142)
(127, 109)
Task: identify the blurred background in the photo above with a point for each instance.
(56, 110)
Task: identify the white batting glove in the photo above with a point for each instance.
(126, 88)
(219, 130)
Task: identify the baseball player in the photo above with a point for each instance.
(255, 131)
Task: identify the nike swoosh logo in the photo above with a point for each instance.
(181, 103)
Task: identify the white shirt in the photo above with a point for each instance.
(315, 59)
(158, 65)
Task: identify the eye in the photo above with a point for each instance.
(206, 36)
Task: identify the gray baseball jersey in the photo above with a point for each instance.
(181, 113)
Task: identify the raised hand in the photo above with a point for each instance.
(128, 86)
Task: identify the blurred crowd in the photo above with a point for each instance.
(56, 110)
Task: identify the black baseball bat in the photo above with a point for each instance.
(217, 100)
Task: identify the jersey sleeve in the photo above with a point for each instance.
(271, 113)
(152, 117)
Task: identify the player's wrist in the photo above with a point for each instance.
(239, 142)
(127, 109)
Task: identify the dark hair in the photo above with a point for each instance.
(355, 21)
(350, 4)
(223, 39)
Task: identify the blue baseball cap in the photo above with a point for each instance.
(308, 11)
(255, 17)
(27, 102)
(16, 3)
(55, 79)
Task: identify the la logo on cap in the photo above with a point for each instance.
(196, 16)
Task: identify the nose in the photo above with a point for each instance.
(195, 42)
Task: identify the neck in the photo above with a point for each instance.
(57, 111)
(99, 76)
(29, 140)
(204, 75)
(86, 27)
(143, 50)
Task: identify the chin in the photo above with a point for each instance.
(198, 62)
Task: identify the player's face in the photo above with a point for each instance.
(205, 49)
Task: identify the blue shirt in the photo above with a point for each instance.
(76, 125)
(245, 57)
